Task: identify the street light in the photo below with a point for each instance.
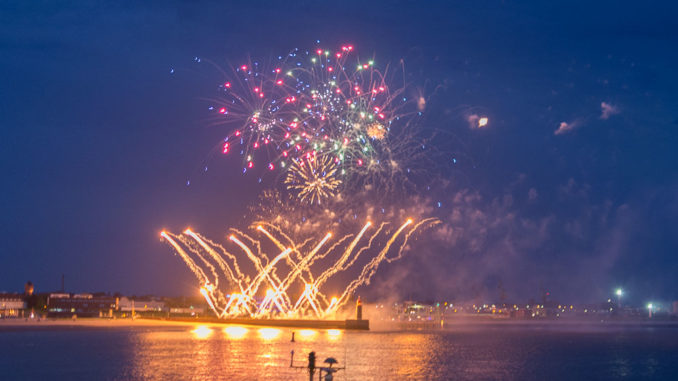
(619, 292)
(649, 308)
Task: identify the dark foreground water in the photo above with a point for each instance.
(493, 352)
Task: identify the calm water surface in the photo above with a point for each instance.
(493, 352)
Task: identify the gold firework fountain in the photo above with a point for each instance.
(272, 293)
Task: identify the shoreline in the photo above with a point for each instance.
(377, 326)
(87, 322)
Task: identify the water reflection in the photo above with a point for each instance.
(307, 334)
(202, 332)
(333, 334)
(235, 333)
(236, 352)
(269, 333)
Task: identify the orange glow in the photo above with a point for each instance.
(235, 333)
(202, 332)
(307, 333)
(269, 333)
(211, 259)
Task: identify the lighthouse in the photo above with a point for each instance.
(359, 309)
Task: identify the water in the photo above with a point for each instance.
(487, 352)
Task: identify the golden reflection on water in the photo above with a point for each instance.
(235, 332)
(202, 332)
(333, 334)
(411, 350)
(269, 333)
(308, 334)
(238, 352)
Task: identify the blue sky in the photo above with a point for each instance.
(99, 139)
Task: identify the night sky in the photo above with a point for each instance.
(571, 188)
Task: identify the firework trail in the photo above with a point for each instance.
(342, 260)
(197, 271)
(234, 275)
(277, 301)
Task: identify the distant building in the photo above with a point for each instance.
(11, 305)
(30, 298)
(141, 305)
(518, 313)
(187, 311)
(80, 305)
(29, 288)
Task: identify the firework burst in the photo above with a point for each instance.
(313, 179)
(376, 131)
(321, 103)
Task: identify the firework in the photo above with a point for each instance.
(320, 103)
(243, 295)
(376, 130)
(313, 179)
(326, 123)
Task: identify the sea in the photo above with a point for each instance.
(461, 352)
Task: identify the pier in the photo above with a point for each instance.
(360, 325)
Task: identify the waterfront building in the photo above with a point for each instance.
(187, 311)
(80, 305)
(141, 305)
(11, 305)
